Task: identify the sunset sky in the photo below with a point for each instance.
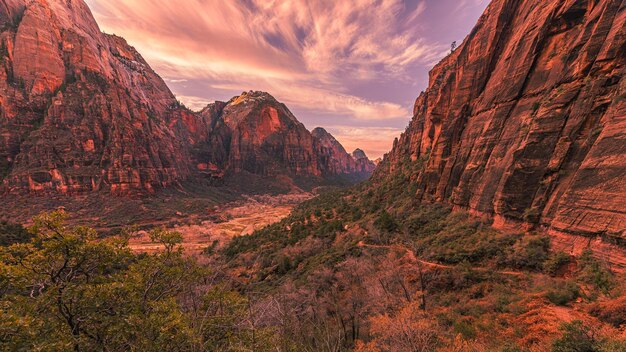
(353, 67)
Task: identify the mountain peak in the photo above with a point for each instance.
(359, 154)
(252, 97)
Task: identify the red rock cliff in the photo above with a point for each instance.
(526, 120)
(81, 110)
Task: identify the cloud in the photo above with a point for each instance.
(194, 103)
(300, 43)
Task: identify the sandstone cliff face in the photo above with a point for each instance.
(81, 110)
(333, 157)
(263, 137)
(525, 121)
(362, 163)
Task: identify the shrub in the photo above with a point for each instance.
(530, 252)
(556, 262)
(594, 272)
(576, 338)
(12, 234)
(612, 312)
(385, 222)
(563, 293)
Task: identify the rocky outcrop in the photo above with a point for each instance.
(362, 163)
(525, 121)
(81, 110)
(263, 137)
(333, 157)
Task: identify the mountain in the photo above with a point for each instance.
(525, 121)
(263, 137)
(82, 111)
(363, 163)
(336, 160)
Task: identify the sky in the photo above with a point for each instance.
(354, 67)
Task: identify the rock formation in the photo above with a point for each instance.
(362, 163)
(263, 137)
(82, 111)
(526, 120)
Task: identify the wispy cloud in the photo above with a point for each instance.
(322, 57)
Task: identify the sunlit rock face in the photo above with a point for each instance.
(263, 137)
(525, 120)
(82, 110)
(362, 163)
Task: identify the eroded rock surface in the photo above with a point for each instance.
(263, 137)
(526, 120)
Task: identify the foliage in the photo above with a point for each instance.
(385, 222)
(594, 272)
(576, 338)
(556, 262)
(563, 293)
(12, 234)
(530, 252)
(66, 290)
(612, 311)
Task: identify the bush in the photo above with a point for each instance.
(563, 293)
(556, 262)
(385, 222)
(593, 272)
(612, 312)
(576, 338)
(528, 253)
(13, 234)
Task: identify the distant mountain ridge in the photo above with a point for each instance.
(263, 137)
(82, 111)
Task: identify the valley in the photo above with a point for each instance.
(240, 218)
(494, 223)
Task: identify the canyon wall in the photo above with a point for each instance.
(526, 120)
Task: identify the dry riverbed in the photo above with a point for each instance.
(234, 219)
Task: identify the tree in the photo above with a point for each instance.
(67, 290)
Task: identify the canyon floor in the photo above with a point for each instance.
(224, 222)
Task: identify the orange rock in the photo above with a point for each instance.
(525, 120)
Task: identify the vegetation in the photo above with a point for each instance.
(65, 290)
(388, 274)
(348, 270)
(12, 234)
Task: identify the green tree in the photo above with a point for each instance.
(68, 290)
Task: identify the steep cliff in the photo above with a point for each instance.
(81, 110)
(525, 120)
(362, 163)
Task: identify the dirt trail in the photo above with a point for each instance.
(436, 265)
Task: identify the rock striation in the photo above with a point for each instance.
(82, 111)
(526, 120)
